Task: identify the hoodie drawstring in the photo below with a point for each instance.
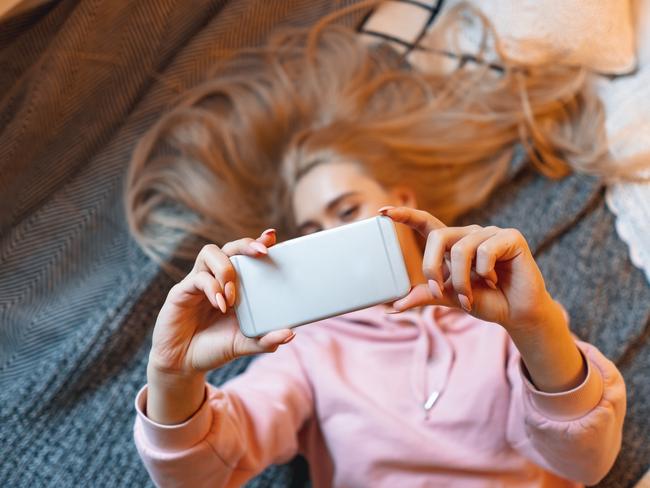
(430, 353)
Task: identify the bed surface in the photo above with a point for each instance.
(77, 296)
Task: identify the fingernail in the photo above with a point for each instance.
(491, 284)
(221, 302)
(435, 288)
(293, 334)
(385, 208)
(230, 293)
(268, 231)
(392, 310)
(259, 247)
(464, 302)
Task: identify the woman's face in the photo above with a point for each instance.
(333, 194)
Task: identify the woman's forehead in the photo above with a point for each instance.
(324, 183)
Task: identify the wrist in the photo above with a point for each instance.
(542, 312)
(547, 319)
(173, 396)
(549, 352)
(171, 378)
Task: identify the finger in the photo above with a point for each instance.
(506, 244)
(214, 260)
(266, 343)
(251, 247)
(200, 283)
(438, 242)
(462, 256)
(268, 237)
(246, 246)
(491, 278)
(421, 221)
(230, 293)
(445, 267)
(276, 338)
(422, 295)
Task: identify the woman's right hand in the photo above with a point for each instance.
(197, 330)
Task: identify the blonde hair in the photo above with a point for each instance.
(223, 162)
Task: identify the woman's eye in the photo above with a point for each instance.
(349, 212)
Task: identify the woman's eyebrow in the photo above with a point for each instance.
(333, 203)
(330, 205)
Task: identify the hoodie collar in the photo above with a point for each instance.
(433, 352)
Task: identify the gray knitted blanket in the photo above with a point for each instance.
(80, 81)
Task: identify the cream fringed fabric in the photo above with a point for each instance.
(627, 104)
(532, 26)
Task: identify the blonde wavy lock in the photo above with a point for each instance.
(222, 163)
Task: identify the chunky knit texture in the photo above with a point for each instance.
(80, 82)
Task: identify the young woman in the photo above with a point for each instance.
(472, 379)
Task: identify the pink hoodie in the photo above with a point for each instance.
(427, 397)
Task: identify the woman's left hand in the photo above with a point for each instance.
(488, 271)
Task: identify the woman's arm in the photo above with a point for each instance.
(237, 431)
(552, 359)
(191, 434)
(567, 406)
(575, 433)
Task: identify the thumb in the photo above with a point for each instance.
(266, 343)
(421, 295)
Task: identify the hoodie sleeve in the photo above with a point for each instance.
(575, 434)
(252, 421)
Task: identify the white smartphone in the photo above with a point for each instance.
(320, 275)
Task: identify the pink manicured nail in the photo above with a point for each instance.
(491, 284)
(435, 288)
(392, 310)
(221, 302)
(385, 208)
(229, 291)
(293, 334)
(268, 231)
(464, 302)
(259, 247)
